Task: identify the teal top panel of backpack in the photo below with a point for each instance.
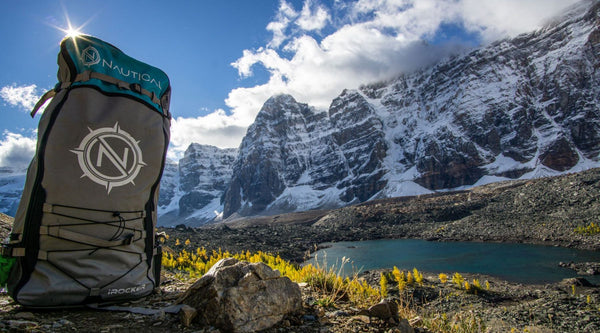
(86, 53)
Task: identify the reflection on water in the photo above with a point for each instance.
(523, 263)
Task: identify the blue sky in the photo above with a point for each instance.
(225, 58)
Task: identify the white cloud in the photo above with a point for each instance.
(367, 40)
(16, 150)
(216, 129)
(312, 18)
(501, 18)
(23, 97)
(278, 27)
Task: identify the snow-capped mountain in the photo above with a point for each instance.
(190, 191)
(12, 182)
(519, 108)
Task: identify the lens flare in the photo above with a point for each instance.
(72, 32)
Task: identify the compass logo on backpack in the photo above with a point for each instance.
(110, 157)
(90, 56)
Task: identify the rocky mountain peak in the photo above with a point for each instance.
(191, 190)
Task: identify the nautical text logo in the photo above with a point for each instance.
(90, 56)
(110, 157)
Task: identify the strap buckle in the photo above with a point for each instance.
(136, 87)
(6, 251)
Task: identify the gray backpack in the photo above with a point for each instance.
(84, 231)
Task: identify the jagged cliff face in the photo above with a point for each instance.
(294, 157)
(191, 191)
(520, 108)
(532, 100)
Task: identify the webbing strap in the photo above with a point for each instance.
(12, 252)
(56, 231)
(49, 94)
(87, 75)
(135, 87)
(42, 255)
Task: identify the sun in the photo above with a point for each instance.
(72, 32)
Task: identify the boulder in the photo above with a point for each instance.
(237, 296)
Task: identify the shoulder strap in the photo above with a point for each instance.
(49, 94)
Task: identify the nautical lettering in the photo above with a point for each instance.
(123, 72)
(157, 83)
(91, 56)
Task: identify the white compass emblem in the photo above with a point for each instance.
(110, 157)
(90, 56)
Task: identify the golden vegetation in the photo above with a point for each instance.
(332, 288)
(589, 230)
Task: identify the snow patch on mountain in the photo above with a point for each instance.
(12, 181)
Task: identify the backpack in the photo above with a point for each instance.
(84, 231)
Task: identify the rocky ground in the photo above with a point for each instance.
(545, 211)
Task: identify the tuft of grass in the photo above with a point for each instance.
(462, 322)
(418, 276)
(383, 284)
(443, 278)
(589, 230)
(458, 280)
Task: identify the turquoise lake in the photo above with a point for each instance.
(523, 263)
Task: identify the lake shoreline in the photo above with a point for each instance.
(515, 263)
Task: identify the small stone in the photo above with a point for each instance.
(363, 318)
(382, 310)
(159, 316)
(187, 314)
(113, 328)
(25, 316)
(405, 327)
(309, 318)
(61, 323)
(22, 325)
(337, 313)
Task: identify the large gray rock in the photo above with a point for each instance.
(237, 296)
